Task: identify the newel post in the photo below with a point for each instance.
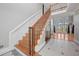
(31, 41)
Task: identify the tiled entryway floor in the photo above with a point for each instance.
(13, 52)
(60, 48)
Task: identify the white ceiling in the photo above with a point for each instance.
(71, 10)
(72, 7)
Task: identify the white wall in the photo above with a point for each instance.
(76, 23)
(17, 34)
(12, 15)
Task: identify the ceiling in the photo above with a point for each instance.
(71, 9)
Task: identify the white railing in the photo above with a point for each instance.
(59, 12)
(59, 7)
(41, 41)
(17, 33)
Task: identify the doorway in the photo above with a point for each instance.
(63, 27)
(61, 31)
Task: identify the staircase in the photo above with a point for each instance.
(24, 44)
(30, 40)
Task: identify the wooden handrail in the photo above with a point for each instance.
(36, 31)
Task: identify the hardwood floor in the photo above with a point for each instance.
(69, 37)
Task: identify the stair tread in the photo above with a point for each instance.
(24, 44)
(23, 49)
(26, 51)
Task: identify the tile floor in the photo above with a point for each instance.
(60, 48)
(12, 53)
